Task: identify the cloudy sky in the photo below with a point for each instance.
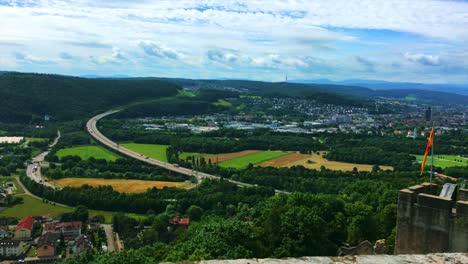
(417, 41)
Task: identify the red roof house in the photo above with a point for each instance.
(26, 223)
(24, 227)
(179, 221)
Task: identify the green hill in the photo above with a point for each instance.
(26, 96)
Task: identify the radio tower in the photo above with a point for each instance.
(286, 78)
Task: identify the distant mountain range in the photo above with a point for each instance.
(384, 85)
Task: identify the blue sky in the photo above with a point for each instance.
(412, 41)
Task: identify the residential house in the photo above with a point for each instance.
(178, 221)
(47, 245)
(70, 230)
(11, 248)
(80, 245)
(24, 228)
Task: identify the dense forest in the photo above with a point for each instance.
(333, 209)
(28, 97)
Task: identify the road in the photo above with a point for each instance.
(33, 171)
(110, 237)
(91, 126)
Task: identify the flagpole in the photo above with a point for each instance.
(432, 154)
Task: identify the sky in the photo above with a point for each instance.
(407, 41)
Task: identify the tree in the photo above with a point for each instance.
(195, 212)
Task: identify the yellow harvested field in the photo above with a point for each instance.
(218, 158)
(316, 161)
(127, 186)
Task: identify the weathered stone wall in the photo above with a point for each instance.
(427, 223)
(369, 259)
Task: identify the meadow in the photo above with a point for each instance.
(444, 161)
(124, 186)
(32, 206)
(255, 158)
(154, 151)
(88, 151)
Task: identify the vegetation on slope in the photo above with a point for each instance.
(26, 96)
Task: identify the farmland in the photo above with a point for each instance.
(255, 158)
(124, 186)
(444, 161)
(154, 151)
(86, 152)
(316, 161)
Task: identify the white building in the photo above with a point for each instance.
(10, 248)
(11, 140)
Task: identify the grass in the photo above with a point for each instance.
(183, 93)
(86, 152)
(35, 139)
(154, 151)
(222, 102)
(34, 207)
(444, 161)
(255, 158)
(410, 98)
(124, 186)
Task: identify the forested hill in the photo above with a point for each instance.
(323, 91)
(25, 96)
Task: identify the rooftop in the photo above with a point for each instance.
(26, 223)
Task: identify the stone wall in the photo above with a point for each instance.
(427, 223)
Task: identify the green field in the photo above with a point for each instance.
(255, 158)
(154, 151)
(222, 102)
(410, 98)
(33, 207)
(86, 152)
(444, 161)
(34, 139)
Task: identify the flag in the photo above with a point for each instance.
(428, 147)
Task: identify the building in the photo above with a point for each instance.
(80, 245)
(11, 248)
(47, 245)
(70, 230)
(431, 223)
(11, 140)
(4, 232)
(179, 221)
(24, 228)
(428, 114)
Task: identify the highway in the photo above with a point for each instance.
(91, 126)
(33, 171)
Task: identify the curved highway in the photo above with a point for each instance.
(91, 126)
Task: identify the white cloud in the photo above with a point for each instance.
(152, 49)
(196, 37)
(424, 59)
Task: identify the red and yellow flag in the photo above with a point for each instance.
(428, 147)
